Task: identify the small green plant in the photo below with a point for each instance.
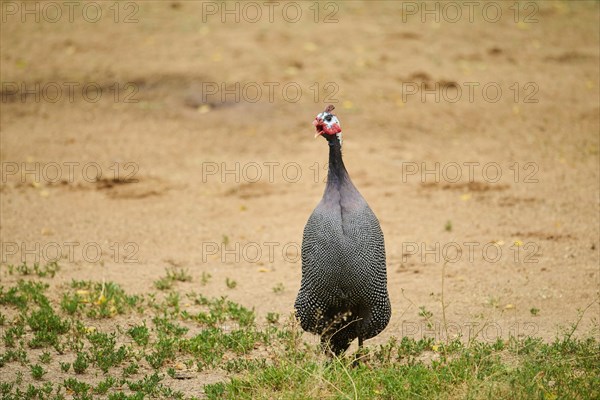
(70, 303)
(24, 269)
(140, 334)
(47, 327)
(178, 274)
(205, 278)
(37, 372)
(103, 386)
(131, 369)
(534, 311)
(12, 334)
(80, 389)
(172, 300)
(174, 274)
(164, 283)
(231, 284)
(65, 366)
(423, 312)
(448, 226)
(45, 358)
(19, 378)
(272, 318)
(80, 364)
(493, 301)
(278, 288)
(104, 352)
(50, 269)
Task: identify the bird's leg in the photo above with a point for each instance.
(360, 355)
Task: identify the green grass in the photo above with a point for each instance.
(528, 369)
(90, 355)
(49, 269)
(173, 275)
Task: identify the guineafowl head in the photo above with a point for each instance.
(328, 126)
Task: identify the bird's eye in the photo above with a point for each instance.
(328, 118)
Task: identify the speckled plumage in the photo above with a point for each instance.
(343, 294)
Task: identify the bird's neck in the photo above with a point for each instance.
(337, 174)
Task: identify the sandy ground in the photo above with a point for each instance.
(196, 178)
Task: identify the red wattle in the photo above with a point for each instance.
(335, 128)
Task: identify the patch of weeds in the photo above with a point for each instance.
(278, 288)
(423, 312)
(50, 269)
(209, 346)
(14, 355)
(172, 300)
(45, 358)
(534, 311)
(37, 372)
(174, 274)
(131, 369)
(228, 339)
(19, 378)
(163, 283)
(24, 294)
(231, 284)
(205, 278)
(272, 318)
(220, 310)
(103, 386)
(33, 392)
(65, 366)
(123, 396)
(493, 302)
(241, 341)
(79, 389)
(80, 364)
(410, 346)
(47, 326)
(179, 274)
(536, 370)
(140, 334)
(238, 365)
(150, 385)
(165, 327)
(12, 334)
(167, 344)
(100, 300)
(164, 350)
(103, 352)
(71, 303)
(206, 346)
(171, 372)
(6, 388)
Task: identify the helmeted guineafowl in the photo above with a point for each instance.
(343, 294)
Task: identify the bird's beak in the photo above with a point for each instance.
(316, 123)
